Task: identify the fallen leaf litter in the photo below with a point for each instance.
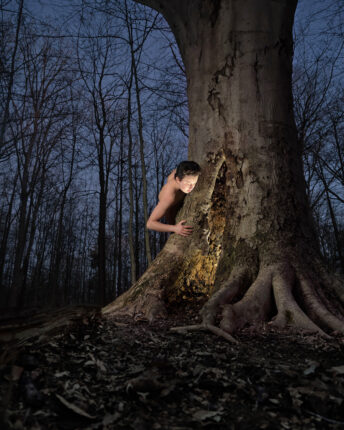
(120, 374)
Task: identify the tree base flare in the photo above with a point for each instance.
(280, 295)
(148, 306)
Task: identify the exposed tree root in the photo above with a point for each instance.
(253, 307)
(273, 288)
(210, 327)
(281, 294)
(289, 312)
(315, 307)
(234, 286)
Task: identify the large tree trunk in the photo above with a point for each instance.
(253, 248)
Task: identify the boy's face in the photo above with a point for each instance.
(187, 184)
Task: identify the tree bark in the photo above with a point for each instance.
(31, 236)
(57, 251)
(26, 189)
(6, 231)
(119, 243)
(101, 222)
(131, 186)
(253, 248)
(141, 140)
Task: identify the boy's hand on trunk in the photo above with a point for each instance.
(183, 230)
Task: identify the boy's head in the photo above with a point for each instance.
(186, 175)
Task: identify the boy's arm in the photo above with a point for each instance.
(158, 212)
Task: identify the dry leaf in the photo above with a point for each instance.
(101, 365)
(311, 369)
(203, 414)
(309, 391)
(147, 382)
(16, 372)
(338, 369)
(61, 374)
(74, 408)
(110, 418)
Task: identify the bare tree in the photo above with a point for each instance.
(68, 161)
(252, 251)
(99, 57)
(130, 177)
(10, 77)
(317, 88)
(136, 44)
(37, 113)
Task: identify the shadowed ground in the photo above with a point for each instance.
(106, 374)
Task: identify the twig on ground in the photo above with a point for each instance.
(210, 327)
(329, 420)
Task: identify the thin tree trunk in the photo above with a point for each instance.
(137, 241)
(5, 117)
(36, 205)
(142, 157)
(37, 278)
(84, 258)
(333, 217)
(101, 227)
(57, 248)
(21, 242)
(131, 190)
(339, 150)
(120, 256)
(6, 232)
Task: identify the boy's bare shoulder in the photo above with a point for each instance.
(171, 176)
(167, 192)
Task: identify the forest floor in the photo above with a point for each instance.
(120, 374)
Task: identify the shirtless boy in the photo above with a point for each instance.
(179, 183)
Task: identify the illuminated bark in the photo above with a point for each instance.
(256, 253)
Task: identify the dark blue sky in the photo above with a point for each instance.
(319, 10)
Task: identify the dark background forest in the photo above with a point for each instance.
(94, 117)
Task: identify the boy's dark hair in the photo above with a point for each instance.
(187, 168)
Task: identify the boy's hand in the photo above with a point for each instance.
(183, 230)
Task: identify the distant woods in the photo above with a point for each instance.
(94, 118)
(318, 88)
